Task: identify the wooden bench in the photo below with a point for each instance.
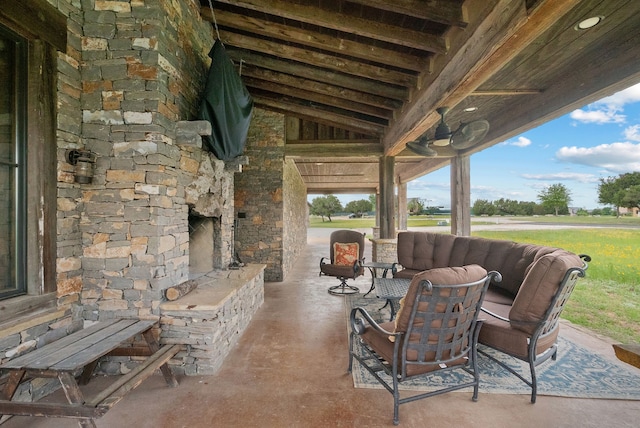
(65, 358)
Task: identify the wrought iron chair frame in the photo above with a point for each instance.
(545, 327)
(463, 346)
(358, 269)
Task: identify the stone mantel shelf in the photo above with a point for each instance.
(214, 289)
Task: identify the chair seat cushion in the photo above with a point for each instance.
(381, 344)
(338, 271)
(502, 336)
(498, 295)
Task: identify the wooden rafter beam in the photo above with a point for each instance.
(499, 39)
(441, 11)
(505, 92)
(318, 98)
(317, 40)
(320, 116)
(318, 87)
(472, 48)
(319, 59)
(354, 148)
(348, 24)
(320, 75)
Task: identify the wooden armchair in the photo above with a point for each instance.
(346, 257)
(436, 329)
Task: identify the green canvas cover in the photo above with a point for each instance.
(227, 105)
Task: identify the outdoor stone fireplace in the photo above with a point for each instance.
(210, 319)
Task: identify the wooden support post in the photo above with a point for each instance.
(460, 196)
(387, 199)
(402, 206)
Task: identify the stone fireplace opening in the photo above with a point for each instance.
(205, 244)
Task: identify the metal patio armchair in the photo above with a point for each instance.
(435, 330)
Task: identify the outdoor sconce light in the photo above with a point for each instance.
(83, 161)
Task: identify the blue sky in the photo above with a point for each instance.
(601, 139)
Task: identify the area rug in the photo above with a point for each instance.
(577, 372)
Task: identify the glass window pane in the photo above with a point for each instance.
(9, 282)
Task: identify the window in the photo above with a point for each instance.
(13, 69)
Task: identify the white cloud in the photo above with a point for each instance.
(632, 133)
(598, 116)
(615, 157)
(563, 176)
(522, 142)
(608, 110)
(619, 99)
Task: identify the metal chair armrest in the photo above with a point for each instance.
(357, 324)
(486, 311)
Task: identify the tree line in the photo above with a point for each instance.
(326, 206)
(618, 192)
(622, 191)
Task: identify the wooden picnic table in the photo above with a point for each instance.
(77, 353)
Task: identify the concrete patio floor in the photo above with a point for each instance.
(289, 370)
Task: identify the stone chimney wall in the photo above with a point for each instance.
(143, 65)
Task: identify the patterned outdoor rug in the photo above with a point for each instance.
(576, 373)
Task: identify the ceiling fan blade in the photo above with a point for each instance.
(469, 134)
(422, 148)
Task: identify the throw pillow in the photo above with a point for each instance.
(345, 254)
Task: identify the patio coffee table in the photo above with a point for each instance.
(392, 289)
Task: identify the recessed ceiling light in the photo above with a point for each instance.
(585, 24)
(470, 109)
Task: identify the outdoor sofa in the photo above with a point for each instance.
(522, 311)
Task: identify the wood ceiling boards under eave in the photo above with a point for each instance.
(377, 69)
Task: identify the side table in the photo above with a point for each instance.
(373, 268)
(392, 289)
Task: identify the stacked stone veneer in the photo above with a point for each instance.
(132, 72)
(211, 319)
(143, 64)
(384, 250)
(270, 197)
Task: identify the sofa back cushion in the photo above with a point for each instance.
(422, 251)
(428, 250)
(539, 287)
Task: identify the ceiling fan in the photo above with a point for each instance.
(467, 135)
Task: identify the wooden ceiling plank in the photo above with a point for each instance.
(504, 92)
(554, 45)
(441, 11)
(512, 34)
(317, 40)
(319, 87)
(320, 75)
(472, 48)
(338, 150)
(335, 141)
(319, 59)
(348, 24)
(320, 116)
(615, 70)
(319, 98)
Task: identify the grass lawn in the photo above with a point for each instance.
(607, 301)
